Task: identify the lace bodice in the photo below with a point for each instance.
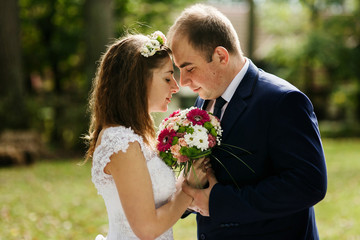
(115, 139)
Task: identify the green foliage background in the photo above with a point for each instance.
(316, 46)
(313, 44)
(56, 54)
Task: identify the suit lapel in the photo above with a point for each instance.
(237, 104)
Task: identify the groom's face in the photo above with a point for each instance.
(201, 76)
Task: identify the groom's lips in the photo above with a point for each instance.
(196, 89)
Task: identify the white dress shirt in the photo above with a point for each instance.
(230, 90)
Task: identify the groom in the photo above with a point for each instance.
(261, 113)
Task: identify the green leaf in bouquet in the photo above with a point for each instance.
(193, 152)
(175, 141)
(163, 155)
(213, 132)
(232, 178)
(203, 154)
(181, 129)
(189, 164)
(168, 158)
(197, 180)
(189, 130)
(183, 151)
(238, 158)
(208, 126)
(233, 146)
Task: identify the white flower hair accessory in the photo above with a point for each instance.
(153, 44)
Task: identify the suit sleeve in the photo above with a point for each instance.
(299, 178)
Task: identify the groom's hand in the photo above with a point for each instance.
(196, 177)
(200, 203)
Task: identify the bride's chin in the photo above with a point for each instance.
(160, 109)
(164, 109)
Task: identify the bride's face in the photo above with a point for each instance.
(162, 87)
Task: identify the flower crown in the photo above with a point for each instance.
(156, 40)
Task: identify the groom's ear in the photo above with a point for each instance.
(221, 55)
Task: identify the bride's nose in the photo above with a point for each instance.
(175, 87)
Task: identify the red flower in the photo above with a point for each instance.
(174, 114)
(165, 139)
(198, 116)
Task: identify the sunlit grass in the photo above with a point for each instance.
(57, 200)
(50, 200)
(338, 215)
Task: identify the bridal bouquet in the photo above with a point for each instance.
(187, 135)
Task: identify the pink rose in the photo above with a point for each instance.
(175, 150)
(212, 140)
(186, 122)
(182, 142)
(182, 159)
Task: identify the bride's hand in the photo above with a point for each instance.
(196, 177)
(179, 181)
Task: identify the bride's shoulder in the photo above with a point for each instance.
(118, 136)
(119, 130)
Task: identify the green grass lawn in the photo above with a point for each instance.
(57, 200)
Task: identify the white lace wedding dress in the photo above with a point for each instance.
(117, 139)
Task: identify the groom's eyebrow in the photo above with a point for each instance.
(184, 64)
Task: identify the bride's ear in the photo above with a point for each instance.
(221, 55)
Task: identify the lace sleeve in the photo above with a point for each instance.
(114, 139)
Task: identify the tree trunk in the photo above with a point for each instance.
(251, 28)
(11, 73)
(99, 30)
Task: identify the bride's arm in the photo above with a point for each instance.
(133, 183)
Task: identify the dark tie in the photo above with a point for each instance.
(218, 105)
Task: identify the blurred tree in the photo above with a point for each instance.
(61, 42)
(99, 29)
(12, 109)
(315, 44)
(251, 28)
(52, 33)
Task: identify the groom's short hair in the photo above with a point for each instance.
(205, 28)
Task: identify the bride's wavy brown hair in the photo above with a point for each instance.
(119, 94)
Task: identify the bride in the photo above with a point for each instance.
(134, 78)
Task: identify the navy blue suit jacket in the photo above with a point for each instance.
(275, 122)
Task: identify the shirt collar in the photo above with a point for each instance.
(230, 90)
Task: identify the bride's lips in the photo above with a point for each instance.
(168, 100)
